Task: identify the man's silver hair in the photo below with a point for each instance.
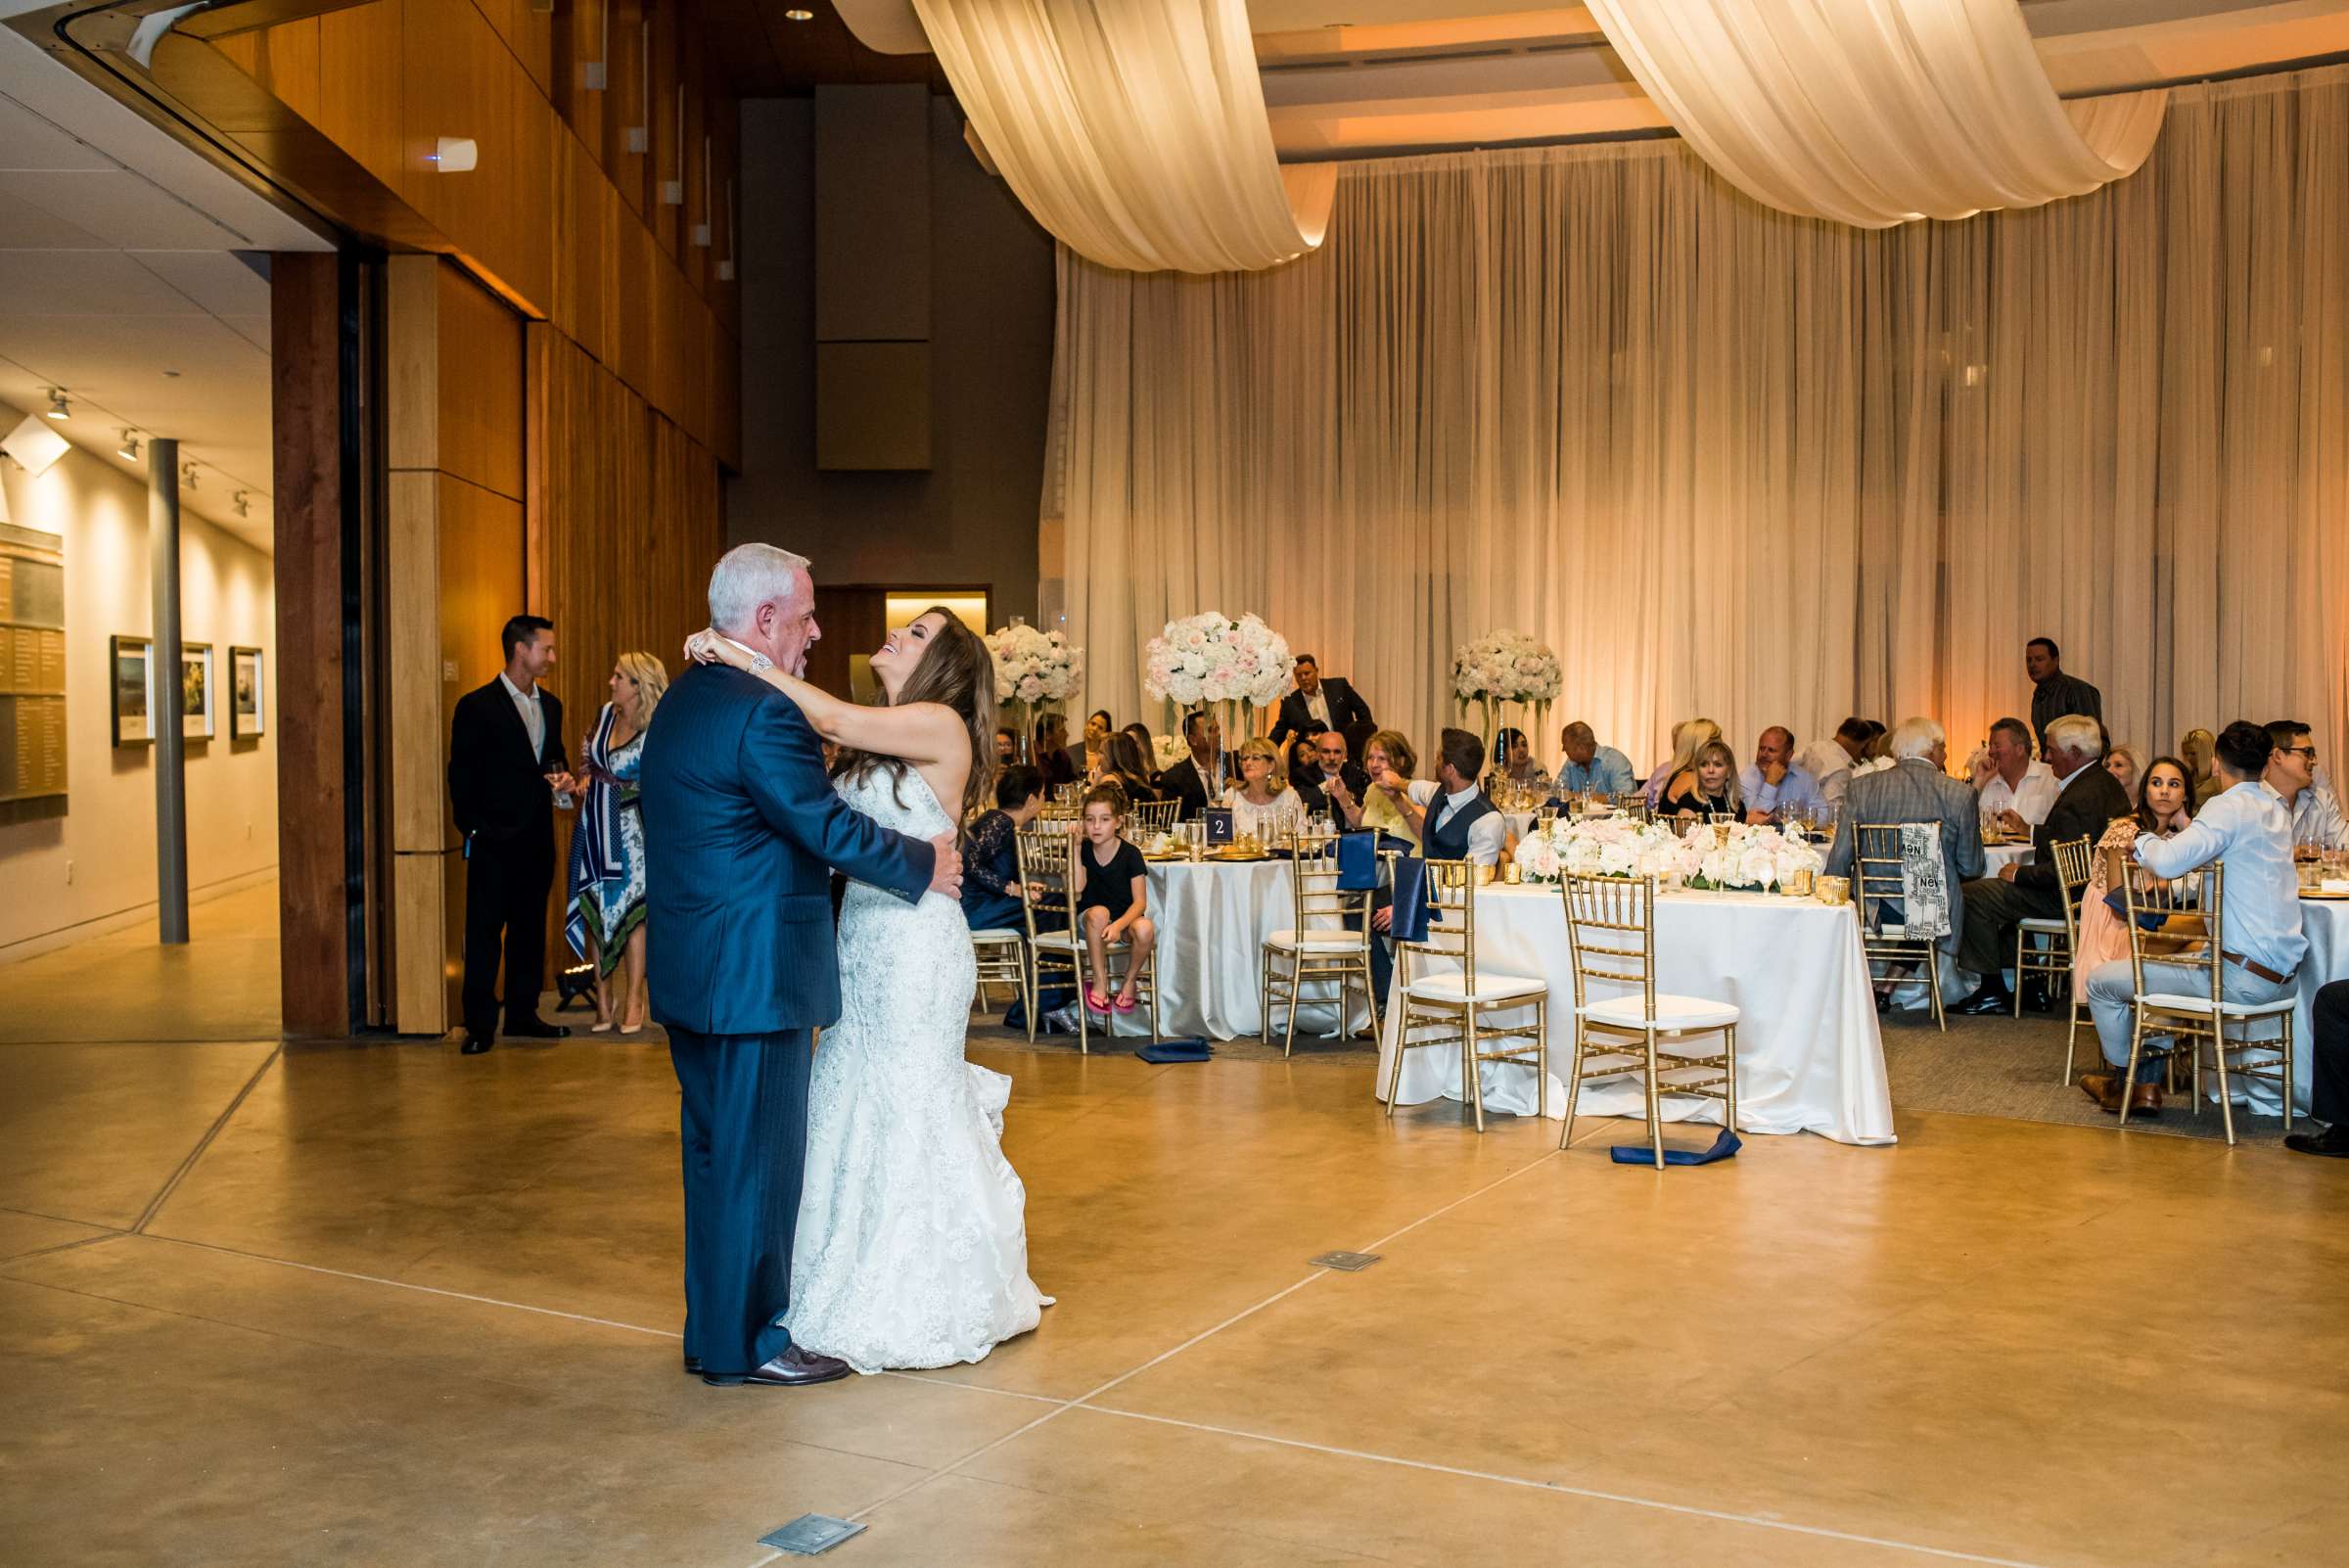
(748, 576)
(1916, 737)
(2077, 733)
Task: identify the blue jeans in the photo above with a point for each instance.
(2112, 989)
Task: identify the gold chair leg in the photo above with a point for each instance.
(2071, 1042)
(1655, 1105)
(2289, 1083)
(2218, 1055)
(1288, 1038)
(1403, 1033)
(1933, 979)
(1542, 1056)
(1574, 1085)
(1474, 1074)
(2019, 936)
(1733, 1075)
(2137, 1041)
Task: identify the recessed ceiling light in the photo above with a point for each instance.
(799, 14)
(171, 375)
(58, 409)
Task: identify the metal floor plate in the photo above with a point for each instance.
(1350, 1261)
(809, 1534)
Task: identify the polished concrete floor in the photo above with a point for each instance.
(392, 1305)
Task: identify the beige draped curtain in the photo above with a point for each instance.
(1727, 461)
(1133, 131)
(1875, 112)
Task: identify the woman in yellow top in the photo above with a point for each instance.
(1389, 761)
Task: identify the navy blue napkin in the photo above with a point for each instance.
(1357, 861)
(1194, 1049)
(1724, 1147)
(1409, 920)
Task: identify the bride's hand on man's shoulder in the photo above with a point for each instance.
(707, 647)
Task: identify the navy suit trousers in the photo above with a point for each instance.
(744, 1118)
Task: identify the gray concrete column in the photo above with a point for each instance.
(170, 745)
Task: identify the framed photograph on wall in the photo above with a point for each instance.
(196, 690)
(133, 715)
(247, 710)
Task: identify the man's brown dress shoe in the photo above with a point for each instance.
(793, 1368)
(2103, 1088)
(2145, 1100)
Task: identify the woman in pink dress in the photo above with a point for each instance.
(2165, 802)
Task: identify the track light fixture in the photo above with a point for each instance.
(58, 409)
(128, 452)
(242, 502)
(187, 475)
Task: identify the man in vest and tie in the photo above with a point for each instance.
(1452, 818)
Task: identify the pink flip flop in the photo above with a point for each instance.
(1124, 1004)
(1097, 1002)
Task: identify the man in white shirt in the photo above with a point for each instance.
(1454, 819)
(2246, 830)
(1829, 762)
(2291, 778)
(2020, 791)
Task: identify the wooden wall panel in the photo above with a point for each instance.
(361, 85)
(480, 392)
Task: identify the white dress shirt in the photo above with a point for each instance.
(2247, 831)
(1487, 835)
(2031, 800)
(1829, 766)
(533, 714)
(1318, 705)
(2317, 823)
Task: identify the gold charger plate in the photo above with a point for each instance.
(2318, 892)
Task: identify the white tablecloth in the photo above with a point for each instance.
(2325, 924)
(1212, 917)
(1809, 1057)
(1995, 855)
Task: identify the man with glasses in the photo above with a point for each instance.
(2291, 778)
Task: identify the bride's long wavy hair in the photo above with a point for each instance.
(956, 671)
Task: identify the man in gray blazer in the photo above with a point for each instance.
(1917, 788)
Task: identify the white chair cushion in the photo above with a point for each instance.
(1490, 987)
(1673, 1013)
(1065, 942)
(998, 933)
(1319, 941)
(2053, 928)
(2171, 1002)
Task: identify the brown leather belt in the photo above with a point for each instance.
(2259, 969)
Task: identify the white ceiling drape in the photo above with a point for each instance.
(1133, 129)
(1873, 113)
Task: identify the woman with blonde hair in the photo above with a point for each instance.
(605, 918)
(1262, 806)
(1391, 763)
(1707, 787)
(1687, 736)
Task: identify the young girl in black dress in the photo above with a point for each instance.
(1113, 892)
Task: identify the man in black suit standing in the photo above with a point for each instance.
(1335, 783)
(1318, 705)
(506, 767)
(2090, 798)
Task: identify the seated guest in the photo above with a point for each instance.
(1513, 757)
(2088, 800)
(2247, 832)
(1318, 705)
(2123, 764)
(1383, 805)
(1262, 806)
(1916, 789)
(2193, 750)
(1007, 746)
(1707, 787)
(1206, 774)
(1449, 814)
(2020, 792)
(1829, 762)
(2291, 778)
(1332, 786)
(1589, 768)
(1687, 736)
(1123, 764)
(991, 894)
(1052, 751)
(1147, 744)
(2165, 803)
(2329, 1092)
(1776, 782)
(1091, 754)
(1302, 760)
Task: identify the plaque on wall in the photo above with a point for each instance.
(247, 710)
(32, 664)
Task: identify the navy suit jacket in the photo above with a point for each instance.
(742, 831)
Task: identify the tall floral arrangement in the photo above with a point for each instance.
(1506, 666)
(1209, 658)
(1036, 670)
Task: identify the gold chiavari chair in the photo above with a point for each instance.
(1155, 816)
(2196, 1014)
(1456, 1001)
(1328, 940)
(1633, 805)
(1876, 878)
(1611, 930)
(2052, 960)
(1047, 869)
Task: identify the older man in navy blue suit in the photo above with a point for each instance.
(747, 832)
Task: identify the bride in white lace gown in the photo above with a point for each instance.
(912, 1245)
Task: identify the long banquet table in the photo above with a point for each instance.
(1212, 917)
(1808, 1055)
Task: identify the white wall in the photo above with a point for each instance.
(98, 859)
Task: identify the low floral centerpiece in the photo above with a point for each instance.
(1506, 666)
(1210, 660)
(1725, 859)
(1036, 670)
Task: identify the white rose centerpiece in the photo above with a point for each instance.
(1506, 666)
(1210, 659)
(1034, 671)
(1744, 858)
